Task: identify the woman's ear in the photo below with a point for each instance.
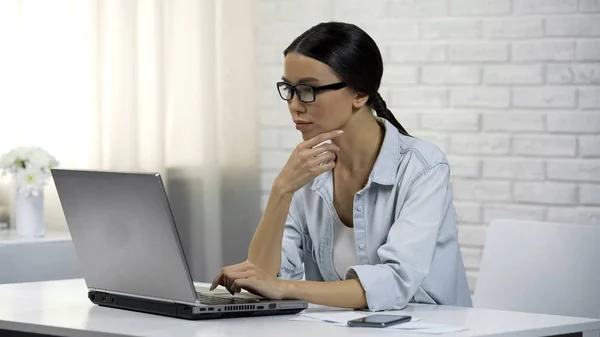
(360, 99)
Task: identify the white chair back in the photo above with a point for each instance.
(540, 267)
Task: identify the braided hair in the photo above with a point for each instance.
(378, 104)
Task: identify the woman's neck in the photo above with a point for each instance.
(360, 144)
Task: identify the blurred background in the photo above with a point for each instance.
(509, 89)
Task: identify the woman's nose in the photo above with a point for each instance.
(295, 104)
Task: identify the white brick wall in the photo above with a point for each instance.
(576, 26)
(590, 6)
(464, 166)
(478, 51)
(588, 50)
(456, 74)
(573, 73)
(543, 50)
(513, 74)
(418, 97)
(546, 193)
(544, 145)
(513, 168)
(589, 194)
(589, 98)
(523, 212)
(479, 8)
(508, 89)
(513, 28)
(437, 52)
(544, 6)
(546, 97)
(480, 144)
(451, 29)
(514, 121)
(480, 97)
(588, 146)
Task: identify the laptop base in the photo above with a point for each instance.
(178, 310)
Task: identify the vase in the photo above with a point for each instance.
(29, 215)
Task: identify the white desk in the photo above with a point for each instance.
(61, 308)
(52, 257)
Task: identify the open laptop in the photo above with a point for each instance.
(130, 252)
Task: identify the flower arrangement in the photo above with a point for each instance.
(30, 167)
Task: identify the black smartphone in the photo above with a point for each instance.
(379, 321)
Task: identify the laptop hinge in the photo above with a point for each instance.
(143, 297)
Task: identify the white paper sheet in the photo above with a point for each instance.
(340, 318)
(335, 317)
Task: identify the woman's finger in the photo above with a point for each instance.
(325, 167)
(329, 156)
(322, 149)
(307, 144)
(233, 276)
(246, 283)
(217, 281)
(234, 268)
(236, 277)
(240, 274)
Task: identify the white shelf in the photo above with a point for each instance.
(51, 257)
(8, 237)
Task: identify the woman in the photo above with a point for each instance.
(370, 211)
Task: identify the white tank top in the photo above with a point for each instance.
(344, 249)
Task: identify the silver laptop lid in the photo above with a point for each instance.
(124, 233)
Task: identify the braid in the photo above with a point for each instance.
(378, 104)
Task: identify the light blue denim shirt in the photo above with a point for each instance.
(404, 227)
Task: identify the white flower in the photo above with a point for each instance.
(41, 159)
(7, 162)
(31, 181)
(30, 167)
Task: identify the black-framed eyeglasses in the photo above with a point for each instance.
(306, 93)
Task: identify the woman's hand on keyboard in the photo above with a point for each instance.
(249, 277)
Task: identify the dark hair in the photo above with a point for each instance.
(353, 55)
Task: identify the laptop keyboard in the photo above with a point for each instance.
(217, 300)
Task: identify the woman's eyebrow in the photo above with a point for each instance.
(302, 80)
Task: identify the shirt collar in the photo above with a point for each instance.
(386, 164)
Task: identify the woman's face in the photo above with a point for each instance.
(331, 109)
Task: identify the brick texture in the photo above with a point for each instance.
(492, 212)
(451, 29)
(573, 73)
(508, 89)
(513, 74)
(583, 25)
(547, 97)
(517, 121)
(589, 6)
(589, 98)
(513, 168)
(513, 28)
(545, 146)
(544, 6)
(588, 50)
(546, 193)
(479, 97)
(543, 50)
(589, 146)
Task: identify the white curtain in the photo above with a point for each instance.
(146, 85)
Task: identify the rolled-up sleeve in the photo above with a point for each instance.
(291, 250)
(407, 254)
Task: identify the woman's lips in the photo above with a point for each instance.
(302, 126)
